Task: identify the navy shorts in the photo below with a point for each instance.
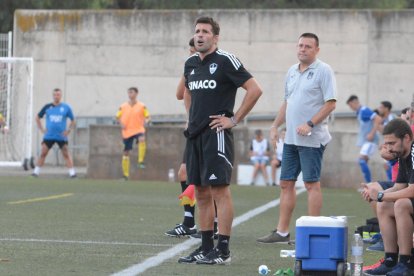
(128, 142)
(386, 184)
(305, 159)
(49, 143)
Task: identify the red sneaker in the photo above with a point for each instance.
(373, 266)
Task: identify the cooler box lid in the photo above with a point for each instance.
(340, 221)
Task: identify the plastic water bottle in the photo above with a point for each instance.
(171, 175)
(357, 249)
(287, 253)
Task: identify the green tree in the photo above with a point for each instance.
(7, 7)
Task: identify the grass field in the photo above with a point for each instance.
(91, 227)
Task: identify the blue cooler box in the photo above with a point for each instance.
(321, 243)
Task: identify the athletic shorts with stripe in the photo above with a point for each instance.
(210, 158)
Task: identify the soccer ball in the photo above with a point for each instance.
(263, 270)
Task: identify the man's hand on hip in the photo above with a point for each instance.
(220, 122)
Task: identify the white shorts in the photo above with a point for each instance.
(368, 149)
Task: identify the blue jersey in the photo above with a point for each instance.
(366, 123)
(56, 117)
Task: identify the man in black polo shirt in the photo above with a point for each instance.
(395, 207)
(212, 77)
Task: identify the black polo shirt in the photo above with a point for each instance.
(213, 84)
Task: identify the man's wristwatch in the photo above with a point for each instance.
(380, 196)
(310, 123)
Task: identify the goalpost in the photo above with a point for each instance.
(16, 107)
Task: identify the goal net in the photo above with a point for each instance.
(16, 109)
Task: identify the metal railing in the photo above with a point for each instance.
(6, 45)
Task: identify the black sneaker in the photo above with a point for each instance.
(198, 235)
(180, 230)
(73, 176)
(215, 257)
(197, 254)
(400, 270)
(34, 175)
(381, 270)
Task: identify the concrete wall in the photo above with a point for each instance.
(95, 55)
(165, 146)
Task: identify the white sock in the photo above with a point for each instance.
(283, 234)
(36, 170)
(72, 171)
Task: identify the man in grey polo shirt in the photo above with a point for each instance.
(310, 96)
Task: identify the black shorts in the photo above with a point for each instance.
(49, 143)
(386, 184)
(210, 158)
(128, 142)
(185, 154)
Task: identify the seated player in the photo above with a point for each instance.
(376, 240)
(55, 132)
(395, 205)
(277, 156)
(132, 116)
(259, 156)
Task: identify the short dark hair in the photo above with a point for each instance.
(258, 132)
(352, 98)
(133, 89)
(387, 104)
(404, 110)
(191, 42)
(399, 128)
(311, 35)
(57, 89)
(209, 20)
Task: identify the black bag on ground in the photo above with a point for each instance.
(370, 228)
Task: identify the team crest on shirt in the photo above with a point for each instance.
(310, 75)
(213, 68)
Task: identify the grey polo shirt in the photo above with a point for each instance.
(305, 94)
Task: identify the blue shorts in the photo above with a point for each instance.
(259, 160)
(128, 142)
(305, 159)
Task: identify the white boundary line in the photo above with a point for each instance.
(175, 250)
(83, 242)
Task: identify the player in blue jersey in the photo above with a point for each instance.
(369, 124)
(56, 131)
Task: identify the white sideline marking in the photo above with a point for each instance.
(175, 250)
(84, 242)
